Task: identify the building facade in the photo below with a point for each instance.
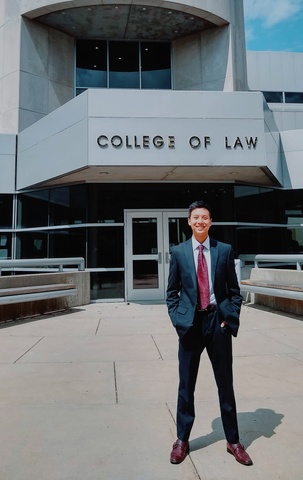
(116, 115)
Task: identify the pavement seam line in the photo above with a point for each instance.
(116, 386)
(191, 460)
(29, 349)
(157, 347)
(97, 328)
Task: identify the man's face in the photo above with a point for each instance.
(200, 222)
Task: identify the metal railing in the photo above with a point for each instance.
(273, 260)
(42, 264)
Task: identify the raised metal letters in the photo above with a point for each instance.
(129, 141)
(159, 142)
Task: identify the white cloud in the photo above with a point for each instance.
(271, 12)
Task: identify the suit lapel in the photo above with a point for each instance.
(189, 257)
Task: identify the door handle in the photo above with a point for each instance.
(160, 257)
(167, 257)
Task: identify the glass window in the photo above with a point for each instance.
(5, 245)
(32, 245)
(33, 209)
(105, 203)
(273, 97)
(91, 59)
(124, 65)
(79, 91)
(68, 243)
(6, 211)
(145, 274)
(155, 65)
(219, 197)
(117, 64)
(293, 97)
(257, 204)
(145, 240)
(107, 285)
(179, 230)
(293, 238)
(252, 240)
(105, 247)
(68, 205)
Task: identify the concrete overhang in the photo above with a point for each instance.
(128, 19)
(106, 135)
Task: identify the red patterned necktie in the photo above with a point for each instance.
(203, 284)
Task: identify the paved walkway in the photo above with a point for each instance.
(91, 394)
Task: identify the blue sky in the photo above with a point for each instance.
(274, 25)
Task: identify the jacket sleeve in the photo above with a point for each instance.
(173, 287)
(230, 306)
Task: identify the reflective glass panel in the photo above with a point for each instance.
(145, 274)
(32, 245)
(106, 285)
(155, 65)
(5, 245)
(294, 240)
(145, 236)
(91, 59)
(105, 203)
(124, 65)
(179, 231)
(6, 211)
(68, 205)
(68, 243)
(273, 97)
(105, 247)
(293, 97)
(252, 240)
(33, 209)
(257, 204)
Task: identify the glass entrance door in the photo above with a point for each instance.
(149, 237)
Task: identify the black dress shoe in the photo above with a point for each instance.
(238, 451)
(179, 451)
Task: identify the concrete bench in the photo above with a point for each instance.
(276, 288)
(28, 295)
(36, 292)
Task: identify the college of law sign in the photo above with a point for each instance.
(159, 142)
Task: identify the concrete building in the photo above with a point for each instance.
(116, 115)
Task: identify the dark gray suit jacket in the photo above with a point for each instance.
(182, 291)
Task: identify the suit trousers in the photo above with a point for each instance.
(206, 332)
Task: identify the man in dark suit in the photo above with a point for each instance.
(209, 326)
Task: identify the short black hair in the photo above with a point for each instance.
(198, 204)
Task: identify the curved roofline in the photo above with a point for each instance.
(219, 15)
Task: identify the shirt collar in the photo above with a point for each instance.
(196, 244)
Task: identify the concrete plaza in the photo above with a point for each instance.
(90, 394)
